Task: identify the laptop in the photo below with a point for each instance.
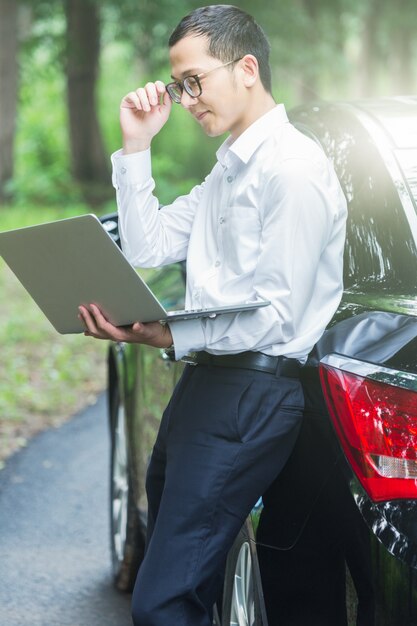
(74, 261)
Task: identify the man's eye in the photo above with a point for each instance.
(193, 84)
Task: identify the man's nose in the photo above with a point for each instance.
(187, 101)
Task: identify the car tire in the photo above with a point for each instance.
(127, 530)
(241, 601)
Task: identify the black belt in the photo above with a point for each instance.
(278, 365)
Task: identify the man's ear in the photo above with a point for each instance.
(250, 69)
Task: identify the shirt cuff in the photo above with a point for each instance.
(187, 336)
(131, 169)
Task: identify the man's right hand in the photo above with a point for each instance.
(142, 114)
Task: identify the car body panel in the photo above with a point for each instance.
(375, 322)
(376, 319)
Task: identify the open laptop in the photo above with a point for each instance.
(74, 261)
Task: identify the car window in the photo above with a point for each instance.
(380, 253)
(167, 283)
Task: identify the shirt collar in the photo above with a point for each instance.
(246, 144)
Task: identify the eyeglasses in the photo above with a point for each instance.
(191, 84)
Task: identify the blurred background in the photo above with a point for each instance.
(64, 67)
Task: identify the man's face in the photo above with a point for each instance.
(222, 105)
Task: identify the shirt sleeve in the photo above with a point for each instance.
(150, 236)
(301, 242)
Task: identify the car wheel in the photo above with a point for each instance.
(126, 527)
(241, 605)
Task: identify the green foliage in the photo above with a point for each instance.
(182, 154)
(316, 53)
(44, 377)
(42, 159)
(146, 25)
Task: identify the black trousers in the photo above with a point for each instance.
(223, 438)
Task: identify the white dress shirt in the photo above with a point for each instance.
(268, 222)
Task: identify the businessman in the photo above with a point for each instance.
(267, 222)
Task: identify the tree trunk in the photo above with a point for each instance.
(308, 83)
(402, 56)
(8, 90)
(369, 59)
(88, 158)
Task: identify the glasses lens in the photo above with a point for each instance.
(192, 86)
(174, 91)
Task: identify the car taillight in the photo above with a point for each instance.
(376, 421)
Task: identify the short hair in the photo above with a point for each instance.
(231, 33)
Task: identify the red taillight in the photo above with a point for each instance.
(377, 426)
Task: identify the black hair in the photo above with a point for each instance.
(231, 33)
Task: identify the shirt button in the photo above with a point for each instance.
(222, 220)
(230, 179)
(217, 264)
(123, 170)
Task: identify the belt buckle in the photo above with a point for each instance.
(189, 359)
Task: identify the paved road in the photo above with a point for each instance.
(54, 532)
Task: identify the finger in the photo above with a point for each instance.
(160, 87)
(106, 330)
(95, 322)
(167, 100)
(101, 322)
(88, 320)
(98, 326)
(143, 97)
(131, 101)
(81, 316)
(86, 332)
(161, 90)
(152, 93)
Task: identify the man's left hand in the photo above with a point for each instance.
(152, 333)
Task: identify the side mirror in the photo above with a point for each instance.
(111, 225)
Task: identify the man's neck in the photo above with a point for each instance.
(257, 108)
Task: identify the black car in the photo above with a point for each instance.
(334, 540)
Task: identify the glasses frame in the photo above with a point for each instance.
(183, 84)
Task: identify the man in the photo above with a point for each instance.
(268, 222)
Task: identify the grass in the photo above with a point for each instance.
(44, 377)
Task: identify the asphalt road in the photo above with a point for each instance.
(54, 530)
